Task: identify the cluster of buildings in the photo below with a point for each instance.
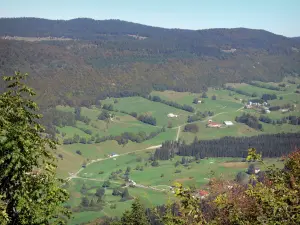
(251, 105)
(212, 124)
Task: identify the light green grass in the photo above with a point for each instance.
(71, 131)
(158, 110)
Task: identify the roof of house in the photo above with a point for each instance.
(228, 122)
(203, 192)
(214, 124)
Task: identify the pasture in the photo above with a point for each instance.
(156, 109)
(155, 181)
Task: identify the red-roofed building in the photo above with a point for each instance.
(213, 124)
(203, 193)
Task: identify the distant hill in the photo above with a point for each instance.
(296, 38)
(79, 60)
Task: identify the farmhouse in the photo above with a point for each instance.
(213, 124)
(113, 155)
(199, 101)
(203, 194)
(257, 170)
(228, 123)
(171, 115)
(284, 110)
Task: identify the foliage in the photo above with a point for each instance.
(100, 192)
(171, 103)
(199, 116)
(30, 191)
(104, 115)
(137, 215)
(249, 120)
(191, 128)
(270, 145)
(147, 119)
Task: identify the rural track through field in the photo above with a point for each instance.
(178, 132)
(102, 159)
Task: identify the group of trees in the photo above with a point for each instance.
(249, 120)
(267, 97)
(30, 192)
(147, 119)
(199, 116)
(104, 115)
(267, 86)
(294, 120)
(193, 128)
(271, 145)
(80, 117)
(171, 103)
(126, 136)
(230, 88)
(166, 151)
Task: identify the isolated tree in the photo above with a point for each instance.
(125, 195)
(106, 184)
(100, 192)
(31, 194)
(137, 215)
(85, 202)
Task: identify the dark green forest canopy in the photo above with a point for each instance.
(117, 58)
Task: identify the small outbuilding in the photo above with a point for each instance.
(228, 123)
(171, 115)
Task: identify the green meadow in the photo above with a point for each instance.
(156, 181)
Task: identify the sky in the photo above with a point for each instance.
(278, 16)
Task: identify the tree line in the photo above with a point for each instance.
(270, 145)
(294, 120)
(122, 139)
(266, 86)
(184, 107)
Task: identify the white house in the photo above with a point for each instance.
(257, 170)
(171, 115)
(113, 155)
(285, 110)
(199, 101)
(228, 123)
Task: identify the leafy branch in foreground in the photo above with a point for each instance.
(31, 194)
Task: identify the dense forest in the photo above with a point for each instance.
(270, 145)
(117, 58)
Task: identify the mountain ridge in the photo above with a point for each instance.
(114, 58)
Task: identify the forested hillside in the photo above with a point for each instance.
(84, 59)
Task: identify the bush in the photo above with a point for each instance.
(191, 128)
(78, 152)
(155, 164)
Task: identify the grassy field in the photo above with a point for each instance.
(226, 107)
(144, 106)
(161, 178)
